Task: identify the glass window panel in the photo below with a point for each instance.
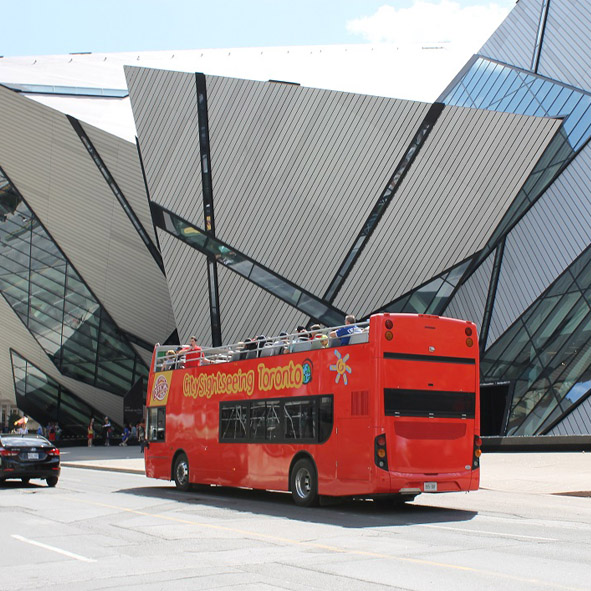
(274, 431)
(300, 420)
(456, 274)
(257, 420)
(581, 269)
(275, 285)
(553, 323)
(536, 417)
(107, 377)
(79, 371)
(234, 421)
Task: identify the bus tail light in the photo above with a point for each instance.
(380, 453)
(477, 452)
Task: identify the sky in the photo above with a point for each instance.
(50, 27)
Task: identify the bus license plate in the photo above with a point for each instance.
(33, 456)
(430, 487)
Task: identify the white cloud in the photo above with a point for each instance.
(433, 22)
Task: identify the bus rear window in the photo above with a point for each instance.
(428, 403)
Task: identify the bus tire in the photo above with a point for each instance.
(181, 473)
(304, 483)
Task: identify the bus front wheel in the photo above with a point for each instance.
(304, 483)
(181, 472)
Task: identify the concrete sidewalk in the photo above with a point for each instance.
(539, 472)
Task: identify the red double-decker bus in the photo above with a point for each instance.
(387, 411)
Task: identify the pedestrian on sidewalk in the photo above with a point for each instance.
(107, 429)
(90, 432)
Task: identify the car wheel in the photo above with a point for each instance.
(2, 481)
(51, 481)
(25, 480)
(304, 483)
(181, 473)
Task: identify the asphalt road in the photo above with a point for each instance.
(109, 530)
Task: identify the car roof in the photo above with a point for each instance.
(14, 437)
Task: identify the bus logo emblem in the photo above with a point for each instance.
(341, 367)
(160, 388)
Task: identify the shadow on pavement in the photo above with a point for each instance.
(342, 512)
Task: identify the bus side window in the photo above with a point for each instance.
(156, 430)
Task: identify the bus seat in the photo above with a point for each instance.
(268, 351)
(301, 346)
(359, 337)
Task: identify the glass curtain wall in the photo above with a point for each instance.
(55, 304)
(42, 398)
(547, 353)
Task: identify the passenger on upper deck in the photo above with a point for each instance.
(344, 332)
(315, 334)
(303, 334)
(193, 353)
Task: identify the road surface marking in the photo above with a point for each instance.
(485, 533)
(53, 549)
(336, 549)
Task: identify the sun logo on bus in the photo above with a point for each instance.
(341, 367)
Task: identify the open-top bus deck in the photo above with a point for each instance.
(388, 411)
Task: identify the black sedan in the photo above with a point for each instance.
(29, 456)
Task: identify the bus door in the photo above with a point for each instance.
(430, 385)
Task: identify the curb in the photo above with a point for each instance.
(103, 468)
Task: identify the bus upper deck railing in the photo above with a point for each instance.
(169, 357)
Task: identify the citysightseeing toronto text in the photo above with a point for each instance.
(240, 382)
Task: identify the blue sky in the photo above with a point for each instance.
(45, 27)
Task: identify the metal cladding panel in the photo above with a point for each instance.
(46, 161)
(165, 111)
(463, 180)
(566, 53)
(122, 160)
(23, 342)
(247, 310)
(186, 271)
(296, 171)
(578, 422)
(544, 243)
(469, 301)
(514, 42)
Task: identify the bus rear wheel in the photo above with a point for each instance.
(181, 472)
(304, 483)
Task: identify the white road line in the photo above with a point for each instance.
(487, 533)
(53, 549)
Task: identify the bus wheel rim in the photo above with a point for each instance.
(303, 483)
(181, 472)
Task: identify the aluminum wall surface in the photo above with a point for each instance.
(577, 422)
(462, 182)
(248, 310)
(296, 171)
(566, 52)
(514, 41)
(122, 160)
(186, 272)
(469, 301)
(544, 243)
(47, 162)
(165, 110)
